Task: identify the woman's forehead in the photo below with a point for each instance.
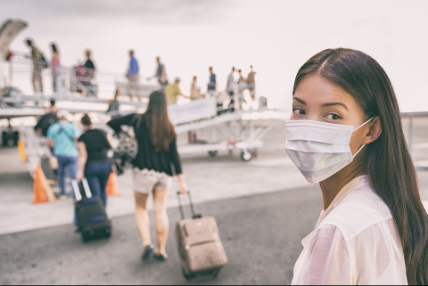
(315, 89)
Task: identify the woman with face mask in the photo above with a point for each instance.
(345, 133)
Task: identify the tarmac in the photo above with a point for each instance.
(260, 234)
(263, 209)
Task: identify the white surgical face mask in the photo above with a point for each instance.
(319, 149)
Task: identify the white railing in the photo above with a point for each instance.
(71, 81)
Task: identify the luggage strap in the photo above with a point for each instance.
(192, 207)
(98, 219)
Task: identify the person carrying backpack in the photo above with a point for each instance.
(62, 138)
(39, 63)
(47, 120)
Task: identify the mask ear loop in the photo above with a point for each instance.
(368, 121)
(361, 148)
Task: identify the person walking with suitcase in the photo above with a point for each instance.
(93, 162)
(157, 157)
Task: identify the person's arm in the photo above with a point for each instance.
(110, 141)
(153, 76)
(181, 94)
(129, 68)
(164, 74)
(81, 161)
(182, 184)
(50, 143)
(37, 128)
(175, 159)
(76, 133)
(50, 137)
(116, 123)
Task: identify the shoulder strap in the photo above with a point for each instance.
(67, 135)
(59, 131)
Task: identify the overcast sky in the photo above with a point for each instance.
(277, 37)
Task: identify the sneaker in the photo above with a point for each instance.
(147, 251)
(160, 257)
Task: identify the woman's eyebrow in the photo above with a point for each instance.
(334, 103)
(299, 100)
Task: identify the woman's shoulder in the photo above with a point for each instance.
(359, 210)
(99, 131)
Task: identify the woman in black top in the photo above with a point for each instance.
(93, 162)
(156, 162)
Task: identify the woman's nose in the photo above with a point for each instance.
(312, 117)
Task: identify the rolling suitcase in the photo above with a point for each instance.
(199, 246)
(91, 216)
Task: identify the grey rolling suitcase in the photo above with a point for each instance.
(199, 246)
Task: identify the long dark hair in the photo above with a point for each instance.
(389, 164)
(161, 129)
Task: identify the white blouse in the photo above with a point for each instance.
(355, 241)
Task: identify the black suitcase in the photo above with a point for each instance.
(91, 216)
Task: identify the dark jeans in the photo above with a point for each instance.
(97, 175)
(70, 163)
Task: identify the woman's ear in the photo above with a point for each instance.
(375, 130)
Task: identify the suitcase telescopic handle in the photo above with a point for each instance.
(76, 189)
(192, 207)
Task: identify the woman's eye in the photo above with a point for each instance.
(299, 111)
(334, 116)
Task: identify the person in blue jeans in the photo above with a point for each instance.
(93, 162)
(62, 136)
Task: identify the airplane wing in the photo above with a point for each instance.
(8, 32)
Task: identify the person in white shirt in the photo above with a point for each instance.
(345, 133)
(195, 90)
(230, 86)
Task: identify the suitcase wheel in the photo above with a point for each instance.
(215, 273)
(185, 275)
(85, 238)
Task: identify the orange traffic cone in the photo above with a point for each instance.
(21, 151)
(112, 189)
(39, 190)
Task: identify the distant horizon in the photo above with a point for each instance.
(276, 37)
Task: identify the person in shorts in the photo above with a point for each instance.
(156, 162)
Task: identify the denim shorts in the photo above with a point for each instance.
(146, 181)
